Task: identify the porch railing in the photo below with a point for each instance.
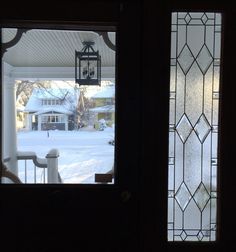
(39, 170)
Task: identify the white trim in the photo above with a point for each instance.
(53, 73)
(57, 110)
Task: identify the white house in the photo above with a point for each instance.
(53, 108)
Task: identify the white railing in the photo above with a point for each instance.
(48, 167)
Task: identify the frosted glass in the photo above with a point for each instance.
(208, 78)
(172, 108)
(193, 119)
(183, 196)
(184, 128)
(209, 40)
(171, 144)
(195, 39)
(179, 163)
(194, 93)
(173, 44)
(191, 223)
(217, 45)
(180, 90)
(216, 78)
(174, 18)
(202, 128)
(171, 174)
(197, 15)
(192, 163)
(181, 34)
(172, 78)
(206, 162)
(204, 59)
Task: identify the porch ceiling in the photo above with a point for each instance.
(53, 48)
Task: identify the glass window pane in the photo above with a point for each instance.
(193, 130)
(68, 126)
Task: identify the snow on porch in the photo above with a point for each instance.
(82, 153)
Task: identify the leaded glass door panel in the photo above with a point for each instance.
(193, 126)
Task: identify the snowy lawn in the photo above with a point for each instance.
(82, 153)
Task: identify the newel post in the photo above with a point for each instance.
(52, 160)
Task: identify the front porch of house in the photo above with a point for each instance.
(51, 120)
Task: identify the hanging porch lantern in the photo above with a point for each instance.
(88, 65)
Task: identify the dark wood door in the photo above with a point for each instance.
(84, 217)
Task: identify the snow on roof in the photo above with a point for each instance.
(103, 109)
(106, 92)
(57, 109)
(35, 102)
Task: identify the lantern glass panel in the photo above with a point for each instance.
(88, 69)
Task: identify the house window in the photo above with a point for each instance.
(44, 63)
(51, 102)
(52, 118)
(193, 126)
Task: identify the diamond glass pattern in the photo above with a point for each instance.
(184, 128)
(185, 59)
(204, 59)
(201, 196)
(200, 236)
(187, 18)
(193, 131)
(183, 196)
(202, 128)
(183, 235)
(204, 18)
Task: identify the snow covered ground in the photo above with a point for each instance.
(82, 153)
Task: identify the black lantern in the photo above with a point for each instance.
(87, 65)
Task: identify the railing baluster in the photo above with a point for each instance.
(25, 171)
(50, 163)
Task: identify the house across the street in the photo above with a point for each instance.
(52, 108)
(103, 106)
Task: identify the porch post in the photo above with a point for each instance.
(52, 160)
(9, 123)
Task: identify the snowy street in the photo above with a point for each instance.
(82, 153)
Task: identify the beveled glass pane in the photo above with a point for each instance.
(184, 128)
(193, 137)
(183, 196)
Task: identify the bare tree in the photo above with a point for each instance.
(25, 88)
